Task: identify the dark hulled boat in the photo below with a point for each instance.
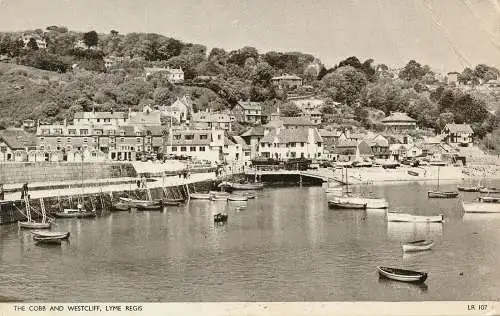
(402, 275)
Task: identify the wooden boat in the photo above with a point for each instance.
(220, 218)
(442, 194)
(413, 173)
(75, 213)
(237, 198)
(469, 189)
(481, 207)
(402, 275)
(250, 196)
(418, 245)
(218, 198)
(121, 206)
(30, 223)
(200, 196)
(247, 186)
(370, 202)
(138, 203)
(489, 190)
(489, 199)
(400, 217)
(345, 205)
(219, 193)
(50, 237)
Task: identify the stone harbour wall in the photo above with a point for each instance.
(20, 172)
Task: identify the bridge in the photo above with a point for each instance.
(324, 175)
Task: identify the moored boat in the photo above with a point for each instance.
(417, 245)
(218, 198)
(442, 194)
(219, 193)
(250, 195)
(50, 237)
(469, 189)
(200, 196)
(75, 213)
(149, 206)
(247, 186)
(345, 205)
(400, 217)
(237, 198)
(30, 223)
(489, 190)
(370, 202)
(413, 173)
(34, 225)
(489, 199)
(402, 275)
(121, 206)
(481, 207)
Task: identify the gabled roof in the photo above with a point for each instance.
(247, 105)
(296, 120)
(240, 141)
(18, 138)
(298, 135)
(398, 117)
(254, 131)
(196, 137)
(286, 77)
(326, 133)
(99, 115)
(459, 128)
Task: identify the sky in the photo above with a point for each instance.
(448, 35)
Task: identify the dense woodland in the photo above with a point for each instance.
(61, 80)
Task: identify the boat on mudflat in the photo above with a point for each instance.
(400, 217)
(49, 237)
(475, 188)
(402, 275)
(200, 196)
(442, 194)
(417, 245)
(247, 186)
(489, 190)
(481, 207)
(346, 205)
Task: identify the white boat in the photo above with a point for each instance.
(489, 199)
(400, 217)
(49, 237)
(200, 196)
(247, 186)
(370, 202)
(481, 207)
(218, 193)
(402, 275)
(237, 198)
(218, 198)
(418, 245)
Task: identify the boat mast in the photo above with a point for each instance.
(438, 178)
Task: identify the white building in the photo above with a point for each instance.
(181, 109)
(197, 144)
(174, 75)
(283, 144)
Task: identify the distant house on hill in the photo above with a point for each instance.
(286, 80)
(452, 77)
(310, 103)
(458, 134)
(399, 122)
(40, 42)
(212, 120)
(29, 123)
(181, 109)
(100, 118)
(248, 112)
(173, 75)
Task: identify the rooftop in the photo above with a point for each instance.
(17, 138)
(398, 117)
(254, 131)
(459, 128)
(247, 105)
(299, 135)
(99, 115)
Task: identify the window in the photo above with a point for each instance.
(84, 132)
(174, 148)
(138, 140)
(225, 146)
(192, 148)
(42, 147)
(292, 144)
(85, 139)
(68, 139)
(203, 137)
(189, 137)
(58, 139)
(72, 131)
(122, 139)
(98, 131)
(98, 120)
(202, 148)
(248, 154)
(42, 139)
(137, 133)
(183, 148)
(177, 137)
(319, 145)
(301, 144)
(219, 137)
(262, 145)
(112, 140)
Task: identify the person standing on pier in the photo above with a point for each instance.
(24, 191)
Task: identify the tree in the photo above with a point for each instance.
(91, 38)
(113, 33)
(32, 44)
(290, 109)
(413, 71)
(485, 72)
(345, 84)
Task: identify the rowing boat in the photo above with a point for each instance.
(200, 196)
(247, 186)
(417, 245)
(400, 217)
(442, 194)
(238, 198)
(481, 207)
(402, 275)
(345, 205)
(50, 237)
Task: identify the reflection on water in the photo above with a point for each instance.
(413, 231)
(481, 217)
(285, 245)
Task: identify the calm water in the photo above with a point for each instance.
(285, 246)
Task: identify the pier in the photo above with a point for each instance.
(322, 175)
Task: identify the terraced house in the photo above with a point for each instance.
(283, 144)
(248, 112)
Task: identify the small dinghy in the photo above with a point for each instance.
(400, 217)
(149, 207)
(469, 189)
(237, 198)
(489, 190)
(346, 205)
(489, 199)
(75, 213)
(247, 186)
(412, 173)
(220, 218)
(218, 198)
(30, 223)
(481, 207)
(418, 245)
(50, 237)
(442, 194)
(200, 196)
(402, 275)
